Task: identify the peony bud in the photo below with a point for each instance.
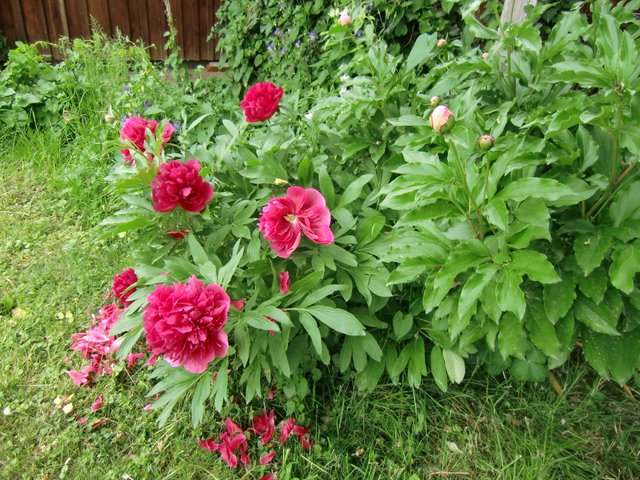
(109, 117)
(441, 119)
(485, 55)
(441, 43)
(435, 100)
(344, 19)
(485, 142)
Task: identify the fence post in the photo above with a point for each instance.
(513, 11)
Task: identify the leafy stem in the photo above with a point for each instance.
(463, 179)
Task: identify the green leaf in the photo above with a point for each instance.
(594, 285)
(470, 294)
(337, 319)
(278, 354)
(509, 295)
(454, 364)
(535, 265)
(596, 317)
(438, 368)
(535, 187)
(417, 364)
(369, 345)
(311, 326)
(129, 340)
(225, 274)
(585, 73)
(197, 252)
(276, 313)
(220, 386)
(402, 324)
(200, 395)
(352, 192)
(542, 333)
(615, 356)
(625, 265)
(326, 187)
(497, 214)
(512, 340)
(421, 50)
(260, 321)
(127, 322)
(408, 120)
(558, 298)
(590, 249)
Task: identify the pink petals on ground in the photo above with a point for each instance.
(97, 404)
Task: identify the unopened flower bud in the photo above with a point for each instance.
(485, 55)
(441, 119)
(435, 100)
(441, 43)
(344, 19)
(109, 117)
(485, 142)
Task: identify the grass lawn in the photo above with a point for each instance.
(54, 269)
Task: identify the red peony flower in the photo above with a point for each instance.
(122, 286)
(178, 234)
(180, 184)
(184, 322)
(301, 211)
(134, 130)
(261, 101)
(285, 283)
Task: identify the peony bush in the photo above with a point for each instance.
(433, 212)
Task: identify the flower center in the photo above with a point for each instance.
(291, 218)
(185, 192)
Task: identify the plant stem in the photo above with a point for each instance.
(463, 178)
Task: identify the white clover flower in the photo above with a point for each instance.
(7, 411)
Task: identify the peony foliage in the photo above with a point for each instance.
(366, 235)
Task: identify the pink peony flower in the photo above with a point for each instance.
(179, 184)
(285, 283)
(261, 101)
(122, 284)
(134, 130)
(97, 404)
(184, 322)
(301, 211)
(178, 234)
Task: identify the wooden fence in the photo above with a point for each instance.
(32, 20)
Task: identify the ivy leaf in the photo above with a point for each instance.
(626, 263)
(535, 265)
(590, 249)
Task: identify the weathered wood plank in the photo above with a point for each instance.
(119, 17)
(190, 22)
(35, 24)
(78, 18)
(8, 23)
(157, 26)
(56, 24)
(138, 20)
(18, 21)
(99, 10)
(176, 12)
(513, 11)
(206, 22)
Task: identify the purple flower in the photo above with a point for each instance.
(126, 89)
(298, 43)
(276, 32)
(283, 50)
(359, 34)
(313, 35)
(176, 126)
(146, 104)
(271, 47)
